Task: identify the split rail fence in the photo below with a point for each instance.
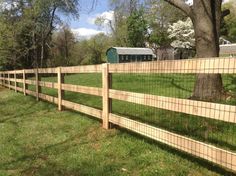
(216, 111)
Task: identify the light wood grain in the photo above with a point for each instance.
(105, 95)
(226, 113)
(9, 82)
(82, 89)
(47, 70)
(48, 98)
(19, 80)
(216, 155)
(15, 83)
(27, 71)
(31, 82)
(82, 69)
(59, 82)
(37, 79)
(82, 108)
(15, 71)
(205, 65)
(24, 84)
(19, 89)
(51, 85)
(30, 92)
(215, 111)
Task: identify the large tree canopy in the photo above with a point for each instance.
(26, 30)
(228, 26)
(206, 17)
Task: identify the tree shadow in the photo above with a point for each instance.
(42, 154)
(204, 163)
(179, 87)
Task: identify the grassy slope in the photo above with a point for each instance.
(36, 139)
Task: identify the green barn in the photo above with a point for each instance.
(124, 54)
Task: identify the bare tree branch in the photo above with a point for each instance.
(180, 4)
(225, 13)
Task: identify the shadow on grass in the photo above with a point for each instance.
(201, 162)
(29, 108)
(179, 87)
(67, 144)
(193, 131)
(43, 155)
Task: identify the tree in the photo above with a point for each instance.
(182, 33)
(118, 26)
(206, 17)
(159, 15)
(91, 51)
(97, 46)
(64, 44)
(228, 28)
(30, 25)
(137, 29)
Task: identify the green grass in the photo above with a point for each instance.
(214, 132)
(36, 139)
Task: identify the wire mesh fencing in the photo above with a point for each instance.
(186, 104)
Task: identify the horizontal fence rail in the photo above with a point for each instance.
(199, 149)
(207, 110)
(216, 111)
(220, 65)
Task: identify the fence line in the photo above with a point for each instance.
(208, 110)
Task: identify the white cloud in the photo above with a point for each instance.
(190, 2)
(107, 16)
(108, 20)
(85, 33)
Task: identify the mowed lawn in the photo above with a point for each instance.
(218, 133)
(36, 139)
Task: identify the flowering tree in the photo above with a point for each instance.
(206, 17)
(183, 34)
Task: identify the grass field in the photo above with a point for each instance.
(218, 133)
(36, 139)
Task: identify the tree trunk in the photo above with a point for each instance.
(206, 20)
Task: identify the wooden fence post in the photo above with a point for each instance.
(1, 79)
(105, 93)
(60, 81)
(5, 79)
(38, 88)
(15, 81)
(24, 84)
(9, 82)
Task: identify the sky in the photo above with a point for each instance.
(84, 27)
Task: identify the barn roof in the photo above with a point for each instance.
(228, 49)
(133, 51)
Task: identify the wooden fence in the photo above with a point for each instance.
(218, 112)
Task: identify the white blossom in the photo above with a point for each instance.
(183, 34)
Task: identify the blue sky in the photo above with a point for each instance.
(84, 25)
(86, 12)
